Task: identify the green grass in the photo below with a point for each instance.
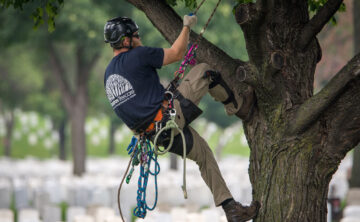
(97, 138)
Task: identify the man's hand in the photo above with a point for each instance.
(190, 21)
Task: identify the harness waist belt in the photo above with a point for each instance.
(149, 125)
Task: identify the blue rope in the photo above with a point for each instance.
(142, 206)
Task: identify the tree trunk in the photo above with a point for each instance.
(113, 127)
(297, 139)
(78, 138)
(355, 172)
(75, 101)
(62, 139)
(9, 124)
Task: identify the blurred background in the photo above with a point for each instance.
(62, 148)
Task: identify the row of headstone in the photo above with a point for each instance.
(113, 166)
(351, 213)
(53, 214)
(6, 215)
(87, 194)
(5, 193)
(182, 214)
(96, 214)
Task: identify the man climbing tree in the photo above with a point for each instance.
(136, 95)
(297, 138)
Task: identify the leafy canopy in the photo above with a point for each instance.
(45, 10)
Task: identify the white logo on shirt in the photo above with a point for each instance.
(118, 90)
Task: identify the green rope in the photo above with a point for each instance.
(171, 124)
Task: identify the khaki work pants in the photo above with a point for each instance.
(194, 87)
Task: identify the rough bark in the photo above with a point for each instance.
(297, 140)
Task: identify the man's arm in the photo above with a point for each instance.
(177, 50)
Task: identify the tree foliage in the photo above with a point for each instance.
(45, 10)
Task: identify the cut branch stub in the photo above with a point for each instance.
(244, 13)
(277, 60)
(241, 73)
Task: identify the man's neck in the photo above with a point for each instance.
(118, 51)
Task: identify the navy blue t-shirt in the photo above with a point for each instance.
(133, 86)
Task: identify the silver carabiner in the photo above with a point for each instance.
(172, 113)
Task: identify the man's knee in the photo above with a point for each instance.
(197, 72)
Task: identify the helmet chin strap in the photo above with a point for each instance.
(130, 47)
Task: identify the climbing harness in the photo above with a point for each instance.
(140, 149)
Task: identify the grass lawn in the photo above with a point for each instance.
(34, 135)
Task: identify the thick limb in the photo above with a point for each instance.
(309, 111)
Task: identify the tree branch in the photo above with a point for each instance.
(342, 121)
(169, 23)
(59, 71)
(316, 24)
(309, 111)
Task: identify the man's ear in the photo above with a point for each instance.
(126, 42)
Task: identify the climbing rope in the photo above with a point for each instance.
(189, 58)
(142, 206)
(171, 124)
(141, 153)
(121, 183)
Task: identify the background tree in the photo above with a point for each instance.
(17, 83)
(297, 138)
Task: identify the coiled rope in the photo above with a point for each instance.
(171, 124)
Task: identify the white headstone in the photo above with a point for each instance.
(6, 215)
(352, 211)
(83, 218)
(72, 212)
(21, 197)
(211, 214)
(5, 193)
(350, 219)
(178, 214)
(42, 199)
(195, 217)
(114, 219)
(28, 215)
(100, 196)
(78, 196)
(51, 214)
(223, 219)
(104, 213)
